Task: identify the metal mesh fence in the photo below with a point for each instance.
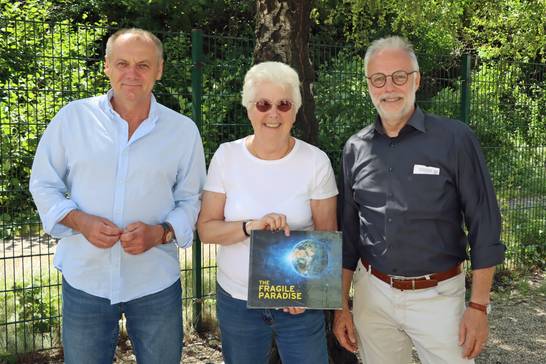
(43, 67)
(508, 108)
(46, 65)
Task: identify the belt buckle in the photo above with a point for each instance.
(413, 284)
(391, 281)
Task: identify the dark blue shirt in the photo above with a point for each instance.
(407, 200)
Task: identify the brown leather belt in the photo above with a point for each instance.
(427, 281)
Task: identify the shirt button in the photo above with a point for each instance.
(389, 219)
(389, 194)
(392, 144)
(390, 169)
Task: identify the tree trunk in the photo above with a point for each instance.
(282, 34)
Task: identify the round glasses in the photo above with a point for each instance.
(264, 105)
(399, 78)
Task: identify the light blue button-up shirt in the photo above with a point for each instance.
(85, 161)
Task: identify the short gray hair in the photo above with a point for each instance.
(391, 42)
(277, 73)
(139, 33)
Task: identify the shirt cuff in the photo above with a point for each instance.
(183, 231)
(54, 215)
(487, 256)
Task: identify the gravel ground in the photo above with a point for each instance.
(518, 324)
(517, 330)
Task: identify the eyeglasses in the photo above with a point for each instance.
(264, 105)
(399, 78)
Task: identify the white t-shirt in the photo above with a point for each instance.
(255, 187)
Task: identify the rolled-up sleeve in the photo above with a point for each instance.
(187, 194)
(350, 224)
(479, 204)
(48, 180)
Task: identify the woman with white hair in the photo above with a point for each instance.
(269, 180)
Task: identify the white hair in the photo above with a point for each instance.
(392, 42)
(276, 73)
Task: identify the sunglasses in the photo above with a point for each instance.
(266, 105)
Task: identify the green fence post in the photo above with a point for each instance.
(197, 93)
(465, 88)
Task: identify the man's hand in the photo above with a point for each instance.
(344, 329)
(99, 231)
(474, 329)
(138, 237)
(473, 332)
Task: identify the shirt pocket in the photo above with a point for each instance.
(426, 194)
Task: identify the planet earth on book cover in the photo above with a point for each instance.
(300, 270)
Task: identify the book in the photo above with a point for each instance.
(301, 270)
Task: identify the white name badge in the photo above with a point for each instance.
(421, 169)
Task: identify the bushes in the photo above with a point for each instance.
(342, 103)
(507, 114)
(525, 234)
(30, 316)
(45, 66)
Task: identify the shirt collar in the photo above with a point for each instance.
(417, 121)
(153, 115)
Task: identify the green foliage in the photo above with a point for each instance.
(30, 317)
(342, 104)
(224, 118)
(507, 114)
(32, 308)
(212, 16)
(8, 358)
(432, 25)
(225, 63)
(525, 234)
(445, 102)
(174, 89)
(512, 29)
(41, 62)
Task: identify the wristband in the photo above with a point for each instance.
(244, 229)
(484, 308)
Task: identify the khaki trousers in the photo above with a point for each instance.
(388, 321)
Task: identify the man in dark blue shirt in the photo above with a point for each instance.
(412, 181)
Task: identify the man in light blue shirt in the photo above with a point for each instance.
(118, 179)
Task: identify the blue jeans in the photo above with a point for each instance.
(91, 326)
(247, 334)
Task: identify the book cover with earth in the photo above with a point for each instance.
(301, 270)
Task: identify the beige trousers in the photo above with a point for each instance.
(388, 321)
